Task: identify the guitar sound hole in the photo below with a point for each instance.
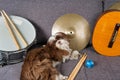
(114, 35)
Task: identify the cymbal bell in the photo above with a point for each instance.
(115, 6)
(76, 27)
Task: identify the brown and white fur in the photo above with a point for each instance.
(40, 63)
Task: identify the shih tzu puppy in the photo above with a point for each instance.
(40, 63)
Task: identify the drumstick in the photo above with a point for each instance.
(77, 67)
(15, 28)
(11, 32)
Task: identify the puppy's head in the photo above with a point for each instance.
(59, 44)
(60, 40)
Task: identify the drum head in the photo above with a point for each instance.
(24, 26)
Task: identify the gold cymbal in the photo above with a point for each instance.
(115, 6)
(76, 27)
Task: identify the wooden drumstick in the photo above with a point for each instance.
(77, 67)
(11, 32)
(15, 28)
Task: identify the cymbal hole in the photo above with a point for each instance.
(71, 32)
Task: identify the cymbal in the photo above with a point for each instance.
(115, 6)
(76, 27)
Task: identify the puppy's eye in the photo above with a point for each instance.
(59, 42)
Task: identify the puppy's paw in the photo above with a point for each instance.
(61, 77)
(75, 55)
(65, 58)
(64, 78)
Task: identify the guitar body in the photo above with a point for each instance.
(106, 35)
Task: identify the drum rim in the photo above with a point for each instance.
(20, 50)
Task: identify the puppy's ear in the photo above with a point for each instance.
(52, 38)
(51, 41)
(61, 35)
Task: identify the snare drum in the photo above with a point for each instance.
(8, 50)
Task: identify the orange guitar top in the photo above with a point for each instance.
(106, 35)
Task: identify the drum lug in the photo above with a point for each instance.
(4, 59)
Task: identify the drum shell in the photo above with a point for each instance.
(12, 57)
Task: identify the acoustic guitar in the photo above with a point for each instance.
(106, 34)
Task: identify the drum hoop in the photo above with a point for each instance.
(21, 50)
